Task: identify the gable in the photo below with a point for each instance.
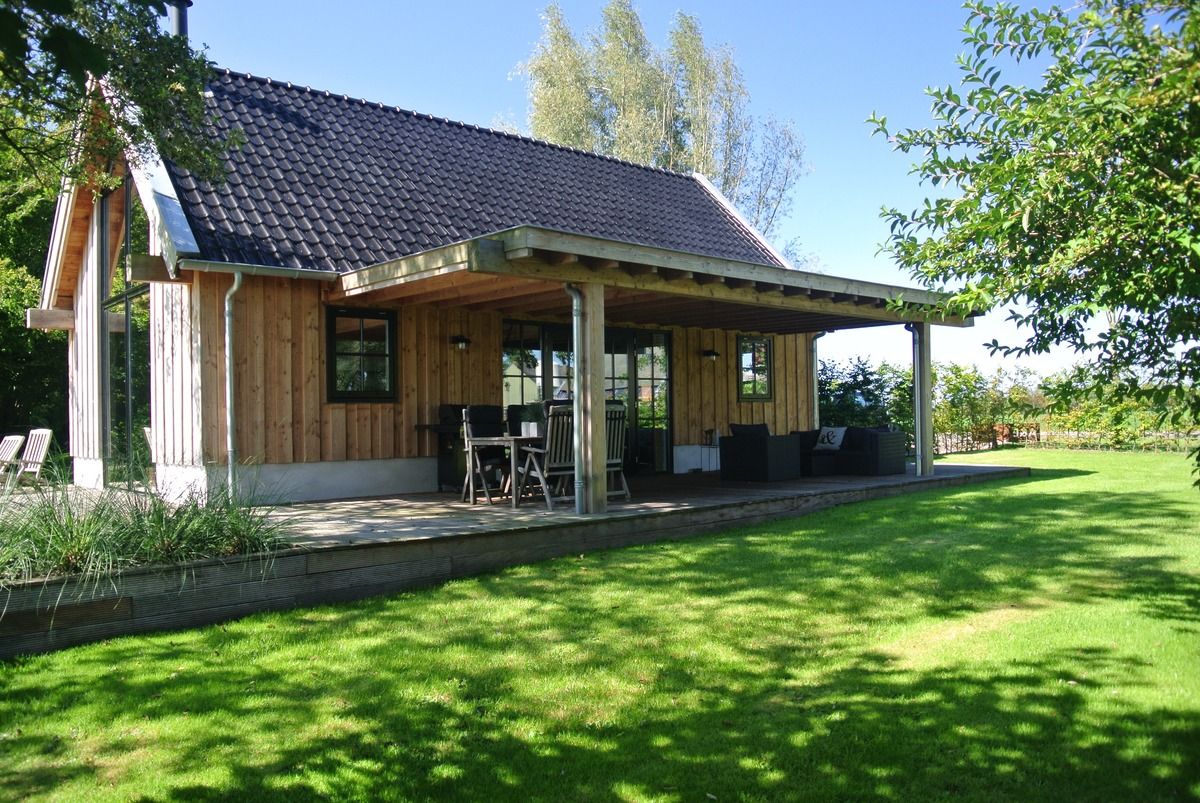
(333, 183)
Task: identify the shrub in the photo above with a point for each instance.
(59, 530)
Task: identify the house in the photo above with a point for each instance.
(297, 327)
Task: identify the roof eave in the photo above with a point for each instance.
(170, 229)
(58, 243)
(537, 252)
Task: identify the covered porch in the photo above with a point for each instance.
(740, 339)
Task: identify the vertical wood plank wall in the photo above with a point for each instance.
(706, 391)
(176, 383)
(279, 375)
(279, 370)
(85, 355)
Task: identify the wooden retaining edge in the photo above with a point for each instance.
(45, 616)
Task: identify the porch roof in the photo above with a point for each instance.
(521, 271)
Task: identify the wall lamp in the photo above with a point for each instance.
(710, 354)
(460, 342)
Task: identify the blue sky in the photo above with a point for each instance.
(825, 65)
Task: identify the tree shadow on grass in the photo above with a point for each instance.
(732, 665)
(868, 731)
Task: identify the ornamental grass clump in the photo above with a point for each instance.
(58, 530)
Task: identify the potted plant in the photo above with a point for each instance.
(534, 419)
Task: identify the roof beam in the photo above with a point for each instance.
(545, 239)
(656, 283)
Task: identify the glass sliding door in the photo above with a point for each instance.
(559, 377)
(128, 403)
(636, 371)
(651, 430)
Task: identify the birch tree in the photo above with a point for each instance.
(564, 110)
(684, 108)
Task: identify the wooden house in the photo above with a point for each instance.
(298, 326)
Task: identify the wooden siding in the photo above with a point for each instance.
(279, 375)
(279, 369)
(176, 380)
(706, 391)
(86, 353)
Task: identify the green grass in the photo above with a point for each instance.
(1031, 639)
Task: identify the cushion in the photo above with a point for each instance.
(830, 439)
(750, 430)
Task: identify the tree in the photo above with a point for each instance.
(150, 94)
(685, 108)
(33, 384)
(1077, 200)
(563, 111)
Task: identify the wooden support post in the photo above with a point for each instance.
(589, 384)
(922, 398)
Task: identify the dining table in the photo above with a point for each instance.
(511, 442)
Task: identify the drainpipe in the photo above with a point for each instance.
(230, 419)
(576, 397)
(816, 381)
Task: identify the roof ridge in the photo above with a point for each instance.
(447, 121)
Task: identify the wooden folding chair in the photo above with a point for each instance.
(8, 452)
(615, 428)
(34, 457)
(554, 461)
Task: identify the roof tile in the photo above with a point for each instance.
(339, 184)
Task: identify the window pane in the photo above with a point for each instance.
(374, 336)
(347, 335)
(376, 374)
(348, 375)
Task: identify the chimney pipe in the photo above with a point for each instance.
(177, 9)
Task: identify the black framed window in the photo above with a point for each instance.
(754, 364)
(361, 354)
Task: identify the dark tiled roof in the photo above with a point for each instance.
(334, 183)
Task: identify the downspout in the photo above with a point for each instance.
(230, 418)
(816, 381)
(919, 401)
(576, 399)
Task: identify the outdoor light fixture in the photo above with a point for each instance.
(710, 354)
(460, 342)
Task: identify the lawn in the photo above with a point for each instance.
(1032, 639)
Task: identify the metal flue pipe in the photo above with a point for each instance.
(177, 11)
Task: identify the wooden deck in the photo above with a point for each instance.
(363, 547)
(664, 499)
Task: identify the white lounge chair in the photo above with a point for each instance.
(34, 457)
(8, 452)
